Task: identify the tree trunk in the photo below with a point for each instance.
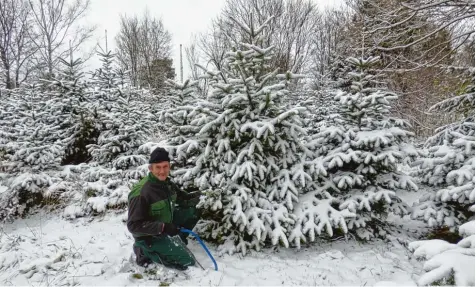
(6, 67)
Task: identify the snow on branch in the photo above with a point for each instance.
(447, 262)
(454, 103)
(315, 216)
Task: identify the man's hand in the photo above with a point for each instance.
(171, 229)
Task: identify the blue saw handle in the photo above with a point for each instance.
(201, 243)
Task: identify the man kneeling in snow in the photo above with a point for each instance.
(157, 211)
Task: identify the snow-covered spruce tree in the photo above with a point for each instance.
(106, 77)
(33, 125)
(177, 119)
(360, 149)
(81, 128)
(182, 98)
(249, 163)
(448, 169)
(124, 118)
(53, 127)
(29, 149)
(339, 75)
(31, 129)
(447, 264)
(319, 105)
(319, 99)
(449, 165)
(338, 78)
(124, 123)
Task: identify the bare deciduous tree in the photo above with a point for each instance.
(193, 56)
(420, 40)
(144, 48)
(56, 31)
(16, 48)
(213, 46)
(155, 47)
(289, 31)
(455, 16)
(327, 41)
(127, 42)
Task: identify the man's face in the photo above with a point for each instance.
(161, 170)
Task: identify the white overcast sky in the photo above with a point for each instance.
(182, 18)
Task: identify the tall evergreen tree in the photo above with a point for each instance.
(359, 149)
(48, 131)
(81, 129)
(105, 77)
(124, 118)
(448, 170)
(183, 99)
(449, 165)
(249, 159)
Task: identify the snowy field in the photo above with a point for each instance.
(46, 250)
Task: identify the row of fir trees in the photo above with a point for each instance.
(74, 139)
(272, 172)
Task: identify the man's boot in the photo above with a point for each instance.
(184, 238)
(141, 259)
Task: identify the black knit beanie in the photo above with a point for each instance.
(158, 155)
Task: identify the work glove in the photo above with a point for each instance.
(171, 229)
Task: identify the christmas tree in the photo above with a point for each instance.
(125, 123)
(183, 99)
(448, 167)
(48, 128)
(123, 116)
(359, 150)
(28, 148)
(81, 128)
(247, 152)
(106, 77)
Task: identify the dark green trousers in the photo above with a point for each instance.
(171, 252)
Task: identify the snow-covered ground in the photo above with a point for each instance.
(46, 250)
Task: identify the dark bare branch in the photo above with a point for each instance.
(55, 26)
(144, 48)
(15, 47)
